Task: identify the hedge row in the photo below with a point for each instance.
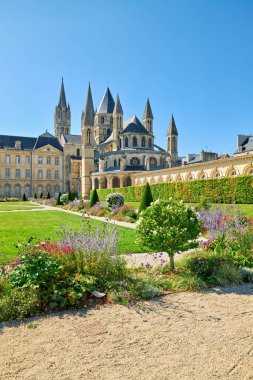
(218, 190)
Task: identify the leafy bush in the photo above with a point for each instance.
(35, 196)
(58, 202)
(64, 198)
(168, 227)
(149, 291)
(146, 198)
(116, 199)
(94, 198)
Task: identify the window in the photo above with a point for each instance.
(17, 173)
(27, 160)
(135, 161)
(143, 142)
(17, 144)
(149, 143)
(40, 174)
(17, 191)
(108, 132)
(48, 173)
(27, 173)
(102, 120)
(7, 173)
(17, 159)
(134, 141)
(126, 142)
(48, 160)
(56, 174)
(78, 152)
(7, 190)
(153, 161)
(7, 159)
(28, 190)
(40, 160)
(115, 163)
(56, 161)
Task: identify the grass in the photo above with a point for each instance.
(19, 226)
(247, 209)
(13, 206)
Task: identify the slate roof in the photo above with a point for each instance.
(148, 114)
(9, 141)
(45, 139)
(88, 113)
(118, 107)
(172, 129)
(62, 100)
(246, 146)
(134, 125)
(73, 139)
(107, 104)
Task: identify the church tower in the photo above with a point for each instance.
(104, 118)
(88, 144)
(147, 118)
(62, 115)
(172, 141)
(117, 121)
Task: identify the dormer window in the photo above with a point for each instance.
(17, 144)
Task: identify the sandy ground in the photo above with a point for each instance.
(180, 336)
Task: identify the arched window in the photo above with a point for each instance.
(115, 163)
(127, 182)
(149, 143)
(28, 190)
(78, 152)
(115, 182)
(119, 162)
(17, 191)
(102, 120)
(251, 171)
(120, 143)
(126, 142)
(40, 190)
(88, 136)
(143, 142)
(153, 161)
(56, 189)
(174, 144)
(134, 141)
(135, 161)
(96, 183)
(108, 131)
(7, 190)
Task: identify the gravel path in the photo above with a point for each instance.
(193, 336)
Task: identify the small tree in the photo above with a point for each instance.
(146, 198)
(35, 196)
(58, 202)
(24, 198)
(94, 198)
(41, 195)
(169, 227)
(48, 195)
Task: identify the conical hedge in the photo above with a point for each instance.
(146, 198)
(94, 198)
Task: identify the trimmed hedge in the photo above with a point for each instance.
(214, 190)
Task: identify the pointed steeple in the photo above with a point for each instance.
(172, 129)
(148, 111)
(118, 107)
(107, 103)
(88, 113)
(62, 100)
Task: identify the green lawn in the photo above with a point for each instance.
(246, 208)
(17, 227)
(10, 206)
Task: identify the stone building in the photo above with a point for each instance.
(110, 152)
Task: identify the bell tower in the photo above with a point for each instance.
(62, 115)
(172, 141)
(147, 118)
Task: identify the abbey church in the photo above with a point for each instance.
(110, 152)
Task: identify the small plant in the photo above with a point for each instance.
(146, 198)
(35, 196)
(115, 199)
(228, 274)
(24, 198)
(41, 195)
(94, 198)
(48, 195)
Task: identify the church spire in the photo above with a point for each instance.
(148, 111)
(62, 100)
(88, 113)
(118, 107)
(172, 129)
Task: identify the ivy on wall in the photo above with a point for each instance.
(215, 190)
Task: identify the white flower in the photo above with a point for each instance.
(154, 232)
(157, 201)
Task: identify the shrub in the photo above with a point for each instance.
(24, 198)
(58, 202)
(168, 227)
(48, 195)
(189, 282)
(149, 291)
(146, 198)
(228, 274)
(35, 196)
(64, 198)
(116, 199)
(41, 195)
(94, 198)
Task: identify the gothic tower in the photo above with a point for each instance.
(147, 118)
(172, 141)
(62, 116)
(117, 121)
(88, 144)
(104, 118)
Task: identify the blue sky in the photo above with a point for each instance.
(192, 58)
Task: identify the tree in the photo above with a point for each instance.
(41, 195)
(24, 198)
(94, 198)
(48, 195)
(35, 196)
(168, 226)
(58, 202)
(146, 198)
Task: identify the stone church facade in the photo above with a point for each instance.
(110, 152)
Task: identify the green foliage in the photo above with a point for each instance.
(228, 274)
(48, 195)
(35, 196)
(94, 198)
(188, 282)
(215, 190)
(146, 198)
(168, 227)
(24, 198)
(41, 195)
(115, 199)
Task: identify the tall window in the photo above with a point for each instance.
(27, 160)
(7, 190)
(78, 152)
(48, 173)
(17, 173)
(7, 173)
(17, 191)
(126, 142)
(143, 142)
(115, 163)
(48, 160)
(27, 173)
(56, 174)
(7, 159)
(56, 161)
(149, 143)
(102, 120)
(17, 159)
(40, 174)
(40, 160)
(134, 141)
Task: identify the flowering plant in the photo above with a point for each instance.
(115, 199)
